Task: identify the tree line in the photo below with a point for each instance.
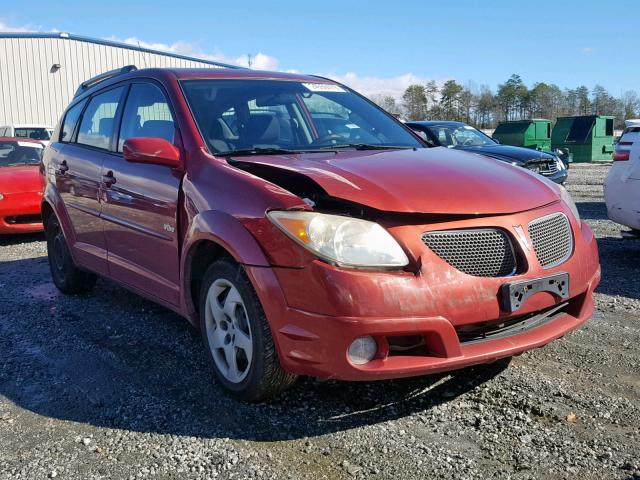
(513, 100)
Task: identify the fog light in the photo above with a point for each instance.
(362, 350)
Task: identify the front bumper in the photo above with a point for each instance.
(20, 213)
(316, 312)
(559, 177)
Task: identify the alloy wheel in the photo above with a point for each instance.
(228, 331)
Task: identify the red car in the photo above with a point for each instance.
(305, 231)
(20, 185)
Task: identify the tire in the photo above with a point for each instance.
(237, 335)
(66, 276)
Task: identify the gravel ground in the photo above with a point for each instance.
(112, 386)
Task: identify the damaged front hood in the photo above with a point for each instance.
(435, 180)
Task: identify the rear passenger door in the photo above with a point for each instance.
(85, 143)
(141, 201)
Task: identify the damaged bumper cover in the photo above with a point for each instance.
(436, 320)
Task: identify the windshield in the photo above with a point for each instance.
(453, 136)
(272, 116)
(19, 153)
(33, 133)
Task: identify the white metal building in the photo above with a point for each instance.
(40, 72)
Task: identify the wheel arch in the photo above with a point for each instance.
(214, 235)
(52, 204)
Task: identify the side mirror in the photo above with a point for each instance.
(154, 151)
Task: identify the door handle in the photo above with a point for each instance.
(62, 168)
(108, 179)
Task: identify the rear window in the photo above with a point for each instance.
(32, 133)
(629, 136)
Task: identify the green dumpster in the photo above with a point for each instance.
(534, 133)
(587, 138)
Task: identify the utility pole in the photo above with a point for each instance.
(249, 60)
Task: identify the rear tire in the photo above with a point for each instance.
(66, 276)
(237, 335)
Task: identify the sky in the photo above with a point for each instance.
(376, 47)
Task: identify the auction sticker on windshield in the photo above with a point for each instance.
(324, 87)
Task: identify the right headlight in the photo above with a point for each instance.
(566, 198)
(341, 240)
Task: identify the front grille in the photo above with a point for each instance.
(23, 219)
(544, 168)
(552, 239)
(481, 253)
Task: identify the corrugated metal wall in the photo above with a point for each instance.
(31, 92)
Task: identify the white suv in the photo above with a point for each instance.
(32, 131)
(622, 185)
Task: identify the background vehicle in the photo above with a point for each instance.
(622, 185)
(41, 133)
(464, 137)
(20, 185)
(235, 198)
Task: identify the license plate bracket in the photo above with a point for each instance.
(516, 293)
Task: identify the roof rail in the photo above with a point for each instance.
(104, 76)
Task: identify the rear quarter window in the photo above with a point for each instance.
(70, 122)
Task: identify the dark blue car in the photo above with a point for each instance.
(464, 137)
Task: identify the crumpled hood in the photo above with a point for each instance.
(433, 180)
(20, 179)
(509, 153)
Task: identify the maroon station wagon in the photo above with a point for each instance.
(305, 231)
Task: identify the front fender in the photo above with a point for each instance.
(228, 232)
(225, 231)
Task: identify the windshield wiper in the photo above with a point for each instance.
(364, 146)
(258, 151)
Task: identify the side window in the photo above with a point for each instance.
(96, 127)
(146, 114)
(70, 122)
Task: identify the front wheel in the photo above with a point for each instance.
(236, 333)
(66, 276)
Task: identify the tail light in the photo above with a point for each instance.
(621, 153)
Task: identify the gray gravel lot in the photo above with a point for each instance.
(109, 385)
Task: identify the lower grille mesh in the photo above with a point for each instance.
(481, 253)
(552, 239)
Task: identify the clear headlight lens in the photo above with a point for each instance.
(341, 240)
(566, 198)
(560, 163)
